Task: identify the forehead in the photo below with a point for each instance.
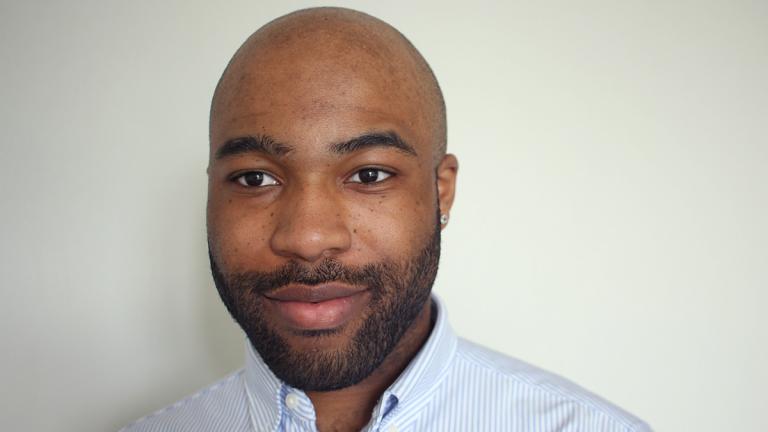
(316, 91)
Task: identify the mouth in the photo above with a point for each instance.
(320, 307)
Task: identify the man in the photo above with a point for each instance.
(329, 185)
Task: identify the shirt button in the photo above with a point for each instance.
(392, 428)
(292, 400)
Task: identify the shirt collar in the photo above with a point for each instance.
(266, 392)
(263, 390)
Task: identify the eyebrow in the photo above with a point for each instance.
(252, 144)
(374, 139)
(268, 145)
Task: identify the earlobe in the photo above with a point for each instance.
(446, 184)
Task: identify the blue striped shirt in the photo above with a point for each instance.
(451, 385)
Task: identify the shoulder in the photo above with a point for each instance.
(524, 390)
(219, 407)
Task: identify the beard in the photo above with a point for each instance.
(399, 292)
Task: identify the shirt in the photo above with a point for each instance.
(450, 385)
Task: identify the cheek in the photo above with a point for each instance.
(393, 225)
(238, 234)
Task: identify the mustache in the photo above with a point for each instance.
(374, 276)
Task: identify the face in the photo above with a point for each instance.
(324, 199)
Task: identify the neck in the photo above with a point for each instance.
(350, 408)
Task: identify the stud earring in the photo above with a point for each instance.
(443, 219)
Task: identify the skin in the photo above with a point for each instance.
(312, 79)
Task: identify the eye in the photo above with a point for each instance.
(370, 175)
(256, 179)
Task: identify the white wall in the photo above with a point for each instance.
(610, 223)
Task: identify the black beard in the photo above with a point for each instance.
(399, 292)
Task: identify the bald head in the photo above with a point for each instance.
(323, 59)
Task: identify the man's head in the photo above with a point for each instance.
(327, 177)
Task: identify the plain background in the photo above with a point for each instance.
(610, 223)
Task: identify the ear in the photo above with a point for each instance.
(446, 183)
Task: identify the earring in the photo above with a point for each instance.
(444, 219)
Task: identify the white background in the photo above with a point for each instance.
(610, 223)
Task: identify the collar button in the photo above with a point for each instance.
(292, 400)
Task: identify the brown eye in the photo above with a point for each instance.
(256, 179)
(370, 175)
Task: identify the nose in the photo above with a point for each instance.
(311, 225)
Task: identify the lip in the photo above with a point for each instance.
(319, 307)
(313, 294)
